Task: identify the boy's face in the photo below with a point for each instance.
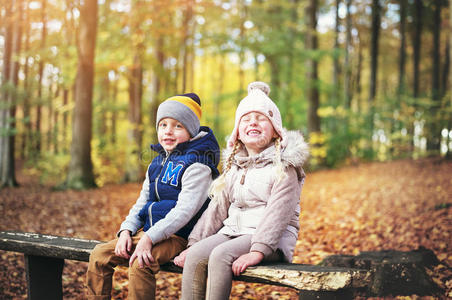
(170, 133)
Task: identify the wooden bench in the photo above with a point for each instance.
(45, 255)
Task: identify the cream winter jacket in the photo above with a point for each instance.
(255, 202)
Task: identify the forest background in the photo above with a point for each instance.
(81, 80)
(363, 80)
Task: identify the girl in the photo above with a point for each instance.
(253, 214)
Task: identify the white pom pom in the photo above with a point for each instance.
(259, 85)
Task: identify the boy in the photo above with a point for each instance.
(172, 199)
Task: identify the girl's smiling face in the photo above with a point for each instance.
(256, 132)
(170, 133)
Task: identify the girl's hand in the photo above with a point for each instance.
(124, 244)
(143, 252)
(245, 261)
(180, 259)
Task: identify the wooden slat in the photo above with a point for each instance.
(47, 245)
(297, 276)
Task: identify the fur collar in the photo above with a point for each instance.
(294, 153)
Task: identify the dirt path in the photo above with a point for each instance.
(398, 205)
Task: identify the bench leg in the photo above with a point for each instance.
(323, 295)
(44, 276)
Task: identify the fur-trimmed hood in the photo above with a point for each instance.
(294, 152)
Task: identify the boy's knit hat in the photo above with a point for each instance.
(184, 108)
(257, 100)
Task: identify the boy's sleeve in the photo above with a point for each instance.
(195, 185)
(133, 221)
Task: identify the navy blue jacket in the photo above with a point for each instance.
(165, 176)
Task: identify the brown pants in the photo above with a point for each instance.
(103, 260)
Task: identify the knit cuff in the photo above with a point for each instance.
(262, 248)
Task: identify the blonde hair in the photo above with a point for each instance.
(217, 186)
(280, 175)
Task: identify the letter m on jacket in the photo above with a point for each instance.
(171, 174)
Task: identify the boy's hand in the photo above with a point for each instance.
(124, 244)
(143, 252)
(180, 259)
(246, 260)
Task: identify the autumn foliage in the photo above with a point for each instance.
(399, 205)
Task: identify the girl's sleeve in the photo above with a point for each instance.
(133, 222)
(282, 204)
(211, 220)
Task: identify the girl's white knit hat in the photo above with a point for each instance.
(257, 100)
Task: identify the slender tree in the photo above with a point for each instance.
(402, 50)
(449, 40)
(38, 137)
(312, 66)
(186, 41)
(80, 173)
(436, 50)
(336, 66)
(434, 138)
(26, 107)
(135, 133)
(13, 37)
(347, 62)
(417, 45)
(376, 20)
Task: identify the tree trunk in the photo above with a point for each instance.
(185, 47)
(417, 46)
(158, 71)
(449, 122)
(134, 135)
(358, 73)
(65, 118)
(347, 63)
(80, 174)
(26, 137)
(242, 18)
(446, 69)
(402, 51)
(436, 50)
(38, 136)
(114, 113)
(218, 96)
(434, 134)
(376, 20)
(50, 109)
(312, 72)
(56, 124)
(133, 170)
(336, 66)
(288, 87)
(12, 45)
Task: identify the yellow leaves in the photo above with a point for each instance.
(329, 111)
(316, 138)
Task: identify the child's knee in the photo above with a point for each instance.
(220, 254)
(98, 254)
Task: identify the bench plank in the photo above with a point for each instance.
(47, 245)
(297, 276)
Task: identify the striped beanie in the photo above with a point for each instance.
(184, 108)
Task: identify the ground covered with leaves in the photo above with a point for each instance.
(398, 205)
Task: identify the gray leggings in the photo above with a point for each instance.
(214, 256)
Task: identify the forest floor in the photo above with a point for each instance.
(399, 205)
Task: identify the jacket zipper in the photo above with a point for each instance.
(150, 213)
(158, 177)
(242, 180)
